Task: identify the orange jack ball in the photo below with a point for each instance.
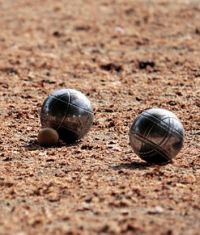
(48, 137)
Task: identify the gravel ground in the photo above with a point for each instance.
(126, 56)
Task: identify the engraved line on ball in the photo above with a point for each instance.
(161, 120)
(175, 132)
(146, 133)
(151, 118)
(68, 128)
(166, 137)
(73, 105)
(60, 125)
(142, 138)
(167, 134)
(147, 157)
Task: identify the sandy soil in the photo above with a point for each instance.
(126, 55)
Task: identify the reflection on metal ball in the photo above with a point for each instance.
(69, 112)
(156, 135)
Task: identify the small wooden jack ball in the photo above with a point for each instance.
(48, 137)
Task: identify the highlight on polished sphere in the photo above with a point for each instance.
(69, 112)
(156, 135)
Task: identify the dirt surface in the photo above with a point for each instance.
(126, 56)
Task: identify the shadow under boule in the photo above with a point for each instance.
(34, 145)
(133, 166)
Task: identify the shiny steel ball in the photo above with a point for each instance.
(156, 135)
(69, 112)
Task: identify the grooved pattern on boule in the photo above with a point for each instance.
(156, 135)
(69, 112)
